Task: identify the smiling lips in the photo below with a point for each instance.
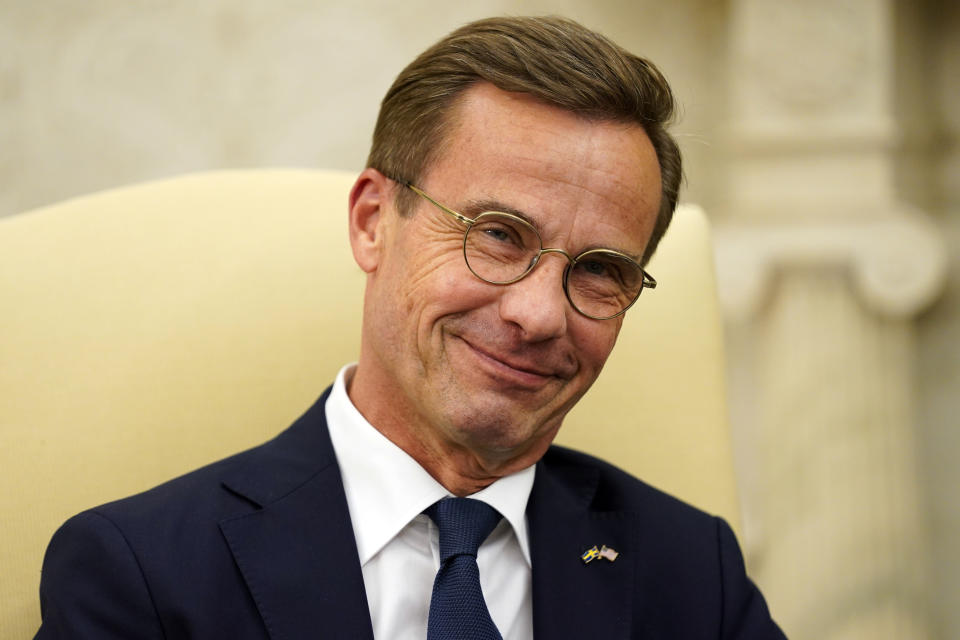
(524, 370)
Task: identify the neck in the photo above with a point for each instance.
(461, 469)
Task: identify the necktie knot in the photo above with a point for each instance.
(463, 523)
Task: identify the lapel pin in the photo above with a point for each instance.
(590, 555)
(608, 554)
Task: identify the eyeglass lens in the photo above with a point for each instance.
(502, 249)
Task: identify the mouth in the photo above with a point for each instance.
(520, 372)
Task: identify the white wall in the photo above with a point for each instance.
(97, 94)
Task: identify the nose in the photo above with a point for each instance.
(537, 303)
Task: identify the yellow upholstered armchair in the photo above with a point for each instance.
(147, 330)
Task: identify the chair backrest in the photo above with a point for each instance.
(147, 330)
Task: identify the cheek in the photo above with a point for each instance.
(438, 285)
(595, 345)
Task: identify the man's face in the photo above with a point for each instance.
(458, 366)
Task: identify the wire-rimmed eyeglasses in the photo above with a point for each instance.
(502, 248)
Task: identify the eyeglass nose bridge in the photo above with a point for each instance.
(536, 260)
(552, 250)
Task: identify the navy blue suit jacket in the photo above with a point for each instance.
(260, 545)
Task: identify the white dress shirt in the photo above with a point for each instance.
(387, 491)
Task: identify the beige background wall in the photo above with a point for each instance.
(94, 94)
(107, 92)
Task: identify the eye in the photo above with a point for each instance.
(609, 269)
(497, 233)
(496, 230)
(595, 267)
(598, 269)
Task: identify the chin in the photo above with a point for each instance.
(501, 434)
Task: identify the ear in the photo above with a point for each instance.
(370, 196)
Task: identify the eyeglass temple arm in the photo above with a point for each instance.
(459, 216)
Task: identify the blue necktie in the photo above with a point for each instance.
(457, 608)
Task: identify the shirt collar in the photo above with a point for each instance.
(386, 488)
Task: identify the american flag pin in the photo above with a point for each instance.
(608, 553)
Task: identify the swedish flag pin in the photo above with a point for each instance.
(590, 555)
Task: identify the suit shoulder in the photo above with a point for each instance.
(200, 490)
(613, 489)
(256, 476)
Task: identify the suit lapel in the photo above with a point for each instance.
(298, 556)
(572, 599)
(297, 551)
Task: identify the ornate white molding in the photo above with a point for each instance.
(897, 263)
(813, 55)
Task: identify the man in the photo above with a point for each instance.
(520, 177)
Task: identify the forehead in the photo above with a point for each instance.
(567, 173)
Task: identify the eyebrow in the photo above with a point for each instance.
(474, 208)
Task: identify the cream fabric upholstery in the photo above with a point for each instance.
(147, 330)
